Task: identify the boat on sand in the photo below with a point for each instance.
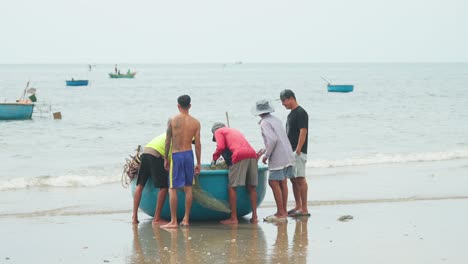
(210, 196)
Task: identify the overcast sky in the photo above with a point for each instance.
(192, 31)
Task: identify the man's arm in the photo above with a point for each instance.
(198, 149)
(167, 146)
(269, 138)
(301, 141)
(220, 145)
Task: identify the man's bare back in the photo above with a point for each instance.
(182, 129)
(185, 128)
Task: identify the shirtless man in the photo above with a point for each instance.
(182, 129)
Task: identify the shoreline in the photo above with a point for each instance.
(398, 232)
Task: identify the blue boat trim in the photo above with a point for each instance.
(340, 88)
(15, 111)
(76, 82)
(213, 182)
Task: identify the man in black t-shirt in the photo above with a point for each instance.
(297, 129)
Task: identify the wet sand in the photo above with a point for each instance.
(401, 214)
(425, 231)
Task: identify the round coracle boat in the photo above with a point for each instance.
(210, 196)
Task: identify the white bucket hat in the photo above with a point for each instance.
(262, 107)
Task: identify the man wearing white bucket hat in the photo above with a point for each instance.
(279, 156)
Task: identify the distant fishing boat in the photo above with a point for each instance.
(16, 111)
(119, 75)
(338, 88)
(212, 184)
(73, 82)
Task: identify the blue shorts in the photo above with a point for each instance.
(279, 175)
(182, 169)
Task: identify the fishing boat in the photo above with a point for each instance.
(73, 82)
(211, 185)
(16, 111)
(340, 88)
(120, 75)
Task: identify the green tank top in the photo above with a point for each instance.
(158, 143)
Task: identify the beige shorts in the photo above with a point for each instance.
(300, 165)
(244, 172)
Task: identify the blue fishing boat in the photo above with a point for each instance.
(76, 82)
(16, 111)
(340, 88)
(213, 185)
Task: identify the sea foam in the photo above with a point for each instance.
(383, 158)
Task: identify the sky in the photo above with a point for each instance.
(221, 31)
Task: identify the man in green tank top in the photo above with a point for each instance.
(152, 164)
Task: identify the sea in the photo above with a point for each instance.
(398, 113)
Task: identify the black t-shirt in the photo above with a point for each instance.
(297, 119)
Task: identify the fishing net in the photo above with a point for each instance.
(131, 167)
(207, 200)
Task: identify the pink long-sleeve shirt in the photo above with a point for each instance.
(234, 140)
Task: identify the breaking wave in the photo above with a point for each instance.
(389, 158)
(57, 181)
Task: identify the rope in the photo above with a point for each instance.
(130, 169)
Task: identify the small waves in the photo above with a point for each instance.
(56, 181)
(390, 158)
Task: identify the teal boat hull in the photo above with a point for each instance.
(15, 111)
(213, 182)
(340, 88)
(76, 82)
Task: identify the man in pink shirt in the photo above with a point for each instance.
(244, 168)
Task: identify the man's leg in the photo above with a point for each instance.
(136, 203)
(159, 205)
(297, 194)
(275, 187)
(233, 204)
(283, 184)
(173, 205)
(303, 188)
(253, 200)
(188, 205)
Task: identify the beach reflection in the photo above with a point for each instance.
(284, 251)
(300, 242)
(199, 243)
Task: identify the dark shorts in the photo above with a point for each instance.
(182, 169)
(154, 167)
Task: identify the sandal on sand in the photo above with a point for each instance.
(274, 218)
(292, 211)
(299, 214)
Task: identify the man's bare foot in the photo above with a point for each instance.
(281, 215)
(170, 225)
(160, 222)
(229, 221)
(253, 220)
(184, 223)
(135, 221)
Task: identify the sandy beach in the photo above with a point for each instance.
(396, 219)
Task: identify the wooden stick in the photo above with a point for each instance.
(227, 119)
